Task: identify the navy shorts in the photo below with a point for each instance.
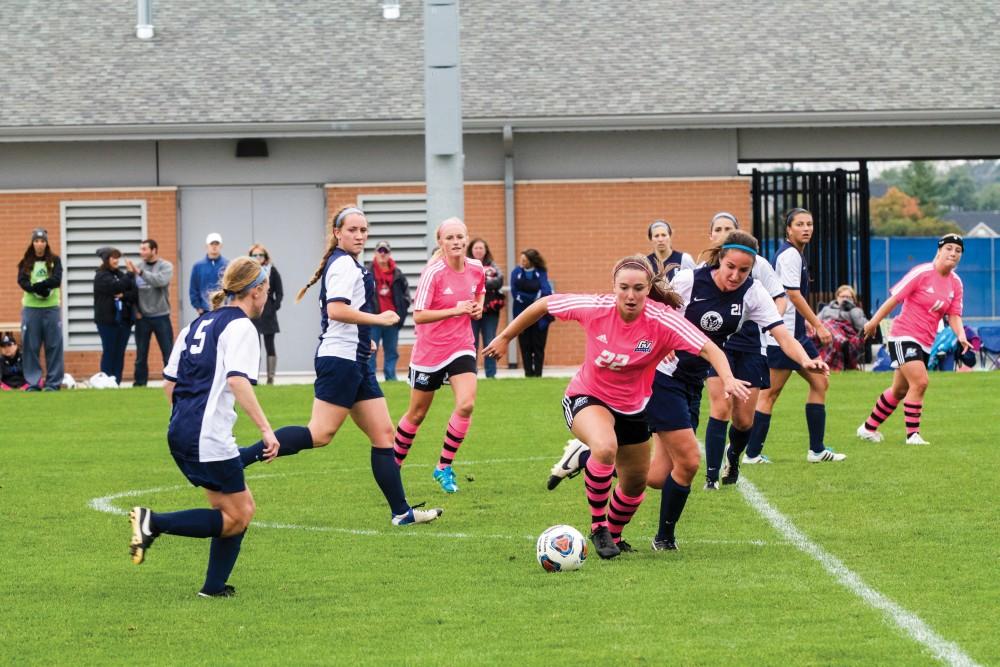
(344, 382)
(629, 429)
(749, 366)
(223, 476)
(779, 360)
(674, 405)
(432, 380)
(904, 351)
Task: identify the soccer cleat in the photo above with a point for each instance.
(664, 544)
(625, 547)
(915, 439)
(825, 455)
(226, 592)
(730, 469)
(870, 436)
(604, 543)
(142, 535)
(446, 478)
(754, 460)
(711, 485)
(569, 465)
(416, 515)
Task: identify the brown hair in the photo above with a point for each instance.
(262, 249)
(713, 255)
(331, 245)
(488, 257)
(240, 274)
(660, 289)
(27, 262)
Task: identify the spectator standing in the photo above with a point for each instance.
(206, 272)
(39, 274)
(393, 292)
(152, 280)
(485, 328)
(664, 255)
(267, 323)
(528, 283)
(11, 364)
(114, 304)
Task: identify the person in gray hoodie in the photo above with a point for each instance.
(152, 278)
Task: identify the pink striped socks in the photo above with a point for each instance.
(597, 480)
(405, 434)
(884, 406)
(458, 426)
(912, 413)
(621, 510)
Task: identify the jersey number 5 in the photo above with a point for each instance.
(611, 361)
(199, 335)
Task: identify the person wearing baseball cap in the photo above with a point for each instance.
(929, 293)
(393, 293)
(206, 273)
(11, 365)
(39, 274)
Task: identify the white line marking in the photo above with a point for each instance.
(942, 649)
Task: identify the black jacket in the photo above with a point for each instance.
(107, 284)
(267, 323)
(12, 371)
(42, 288)
(400, 293)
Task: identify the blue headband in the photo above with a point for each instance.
(343, 214)
(265, 271)
(739, 246)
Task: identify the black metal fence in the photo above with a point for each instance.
(839, 251)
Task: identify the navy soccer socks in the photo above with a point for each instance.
(715, 447)
(389, 479)
(221, 561)
(672, 500)
(738, 441)
(187, 523)
(758, 434)
(293, 439)
(816, 423)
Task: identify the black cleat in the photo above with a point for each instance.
(625, 547)
(142, 534)
(730, 469)
(226, 592)
(604, 543)
(664, 544)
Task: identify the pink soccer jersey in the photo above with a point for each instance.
(927, 296)
(440, 288)
(620, 356)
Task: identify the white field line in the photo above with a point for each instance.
(948, 652)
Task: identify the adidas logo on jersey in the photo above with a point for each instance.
(603, 339)
(644, 345)
(929, 290)
(447, 290)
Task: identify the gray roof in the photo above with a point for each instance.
(323, 66)
(967, 220)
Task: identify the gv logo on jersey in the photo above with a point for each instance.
(644, 345)
(711, 321)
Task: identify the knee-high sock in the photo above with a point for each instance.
(187, 523)
(758, 434)
(221, 561)
(458, 426)
(816, 423)
(715, 447)
(597, 480)
(912, 413)
(885, 404)
(737, 441)
(293, 439)
(389, 480)
(406, 433)
(672, 500)
(621, 510)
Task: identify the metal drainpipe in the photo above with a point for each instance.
(508, 205)
(144, 27)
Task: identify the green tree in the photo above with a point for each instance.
(988, 198)
(899, 214)
(959, 189)
(920, 180)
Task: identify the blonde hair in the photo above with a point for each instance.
(240, 274)
(331, 245)
(854, 294)
(660, 289)
(713, 255)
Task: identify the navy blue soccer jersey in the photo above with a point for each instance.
(681, 259)
(749, 337)
(218, 345)
(346, 280)
(793, 272)
(718, 315)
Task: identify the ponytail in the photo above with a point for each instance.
(331, 245)
(660, 289)
(241, 275)
(734, 240)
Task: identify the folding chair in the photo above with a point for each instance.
(989, 347)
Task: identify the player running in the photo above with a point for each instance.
(449, 296)
(627, 335)
(928, 293)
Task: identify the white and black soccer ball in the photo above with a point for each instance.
(561, 549)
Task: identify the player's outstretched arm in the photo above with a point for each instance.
(715, 356)
(530, 315)
(794, 350)
(243, 391)
(872, 326)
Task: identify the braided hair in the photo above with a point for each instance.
(331, 245)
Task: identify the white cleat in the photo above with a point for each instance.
(415, 515)
(754, 460)
(569, 465)
(824, 456)
(915, 439)
(870, 436)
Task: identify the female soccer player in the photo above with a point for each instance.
(345, 383)
(660, 235)
(627, 335)
(928, 293)
(790, 265)
(210, 367)
(449, 296)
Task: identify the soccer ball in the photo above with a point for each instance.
(561, 549)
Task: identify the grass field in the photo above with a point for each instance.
(324, 578)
